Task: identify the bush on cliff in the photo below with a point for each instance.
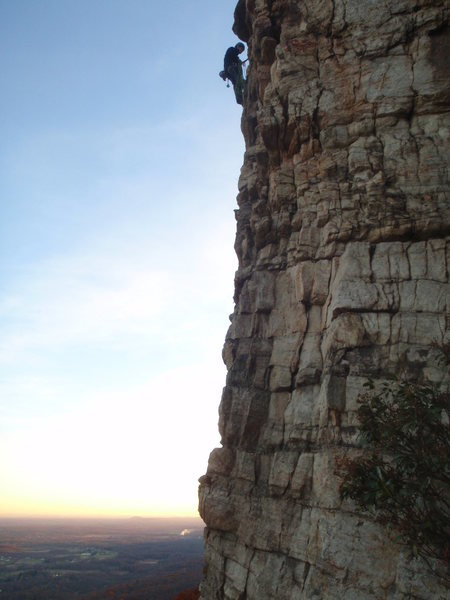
(404, 477)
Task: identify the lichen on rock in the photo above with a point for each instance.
(343, 246)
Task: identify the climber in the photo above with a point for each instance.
(232, 70)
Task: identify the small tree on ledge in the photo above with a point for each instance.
(404, 478)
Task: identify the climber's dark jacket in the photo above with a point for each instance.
(232, 64)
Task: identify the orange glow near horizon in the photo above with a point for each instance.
(80, 497)
(18, 508)
(121, 462)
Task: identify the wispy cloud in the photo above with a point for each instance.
(91, 300)
(99, 313)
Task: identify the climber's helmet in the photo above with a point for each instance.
(240, 47)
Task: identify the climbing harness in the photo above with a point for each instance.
(239, 83)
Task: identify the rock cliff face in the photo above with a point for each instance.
(342, 239)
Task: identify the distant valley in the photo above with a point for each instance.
(92, 559)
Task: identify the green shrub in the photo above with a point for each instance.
(403, 478)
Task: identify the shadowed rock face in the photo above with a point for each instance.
(342, 239)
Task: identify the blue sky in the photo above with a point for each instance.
(119, 159)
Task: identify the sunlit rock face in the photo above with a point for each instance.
(342, 239)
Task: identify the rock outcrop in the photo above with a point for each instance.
(343, 245)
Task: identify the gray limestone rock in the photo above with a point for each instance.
(343, 245)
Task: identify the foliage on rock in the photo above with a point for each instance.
(404, 479)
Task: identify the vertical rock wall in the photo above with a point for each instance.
(342, 239)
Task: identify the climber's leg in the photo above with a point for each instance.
(238, 87)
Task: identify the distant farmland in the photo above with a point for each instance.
(152, 559)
